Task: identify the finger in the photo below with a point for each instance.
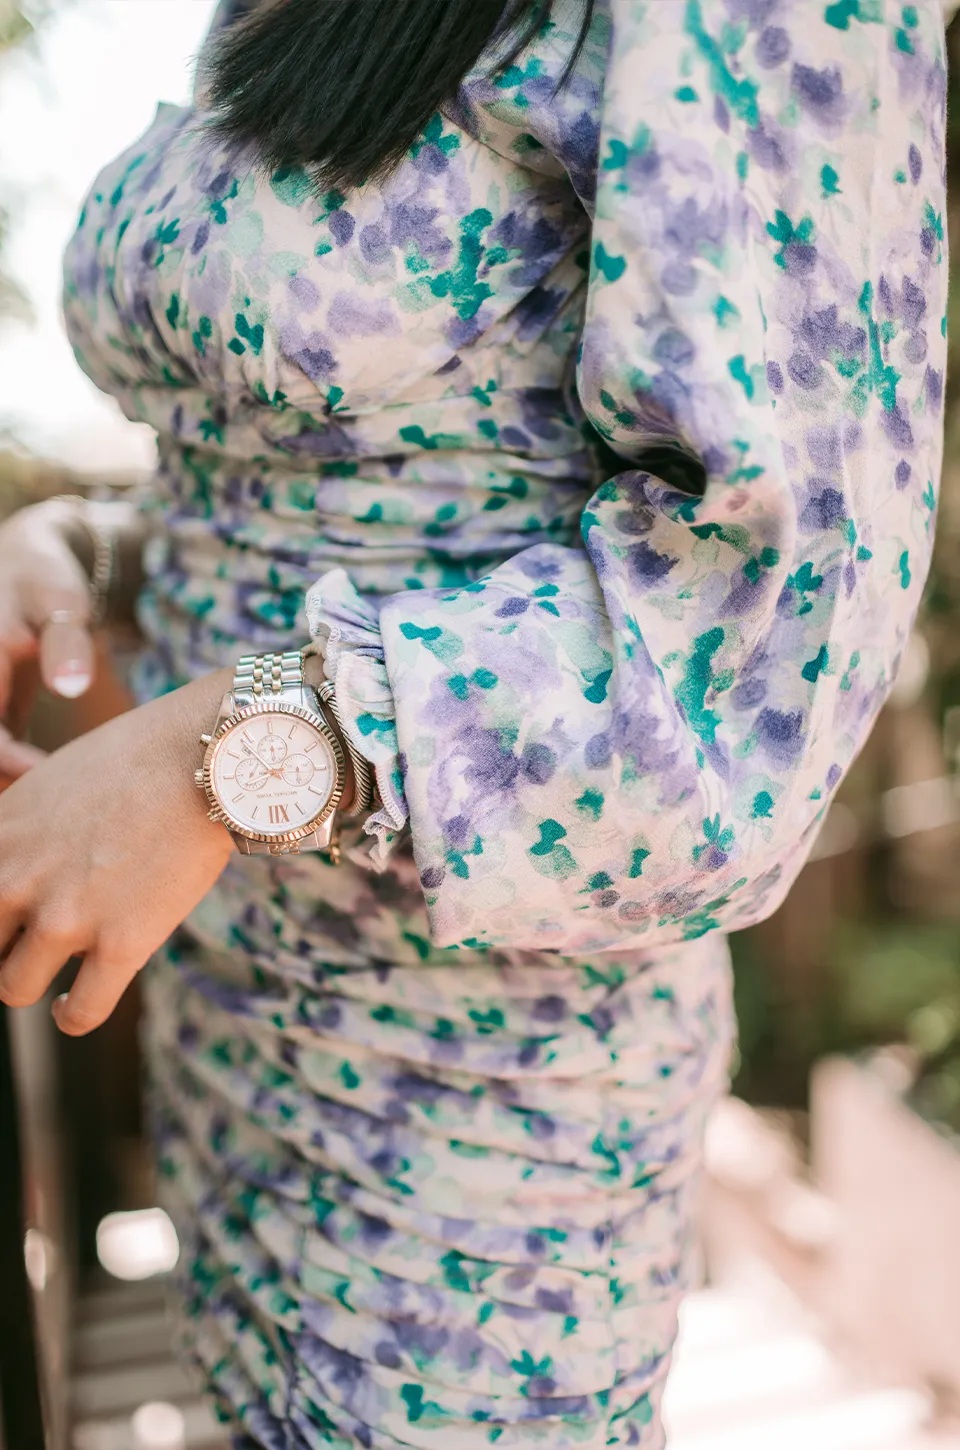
(60, 614)
(99, 985)
(16, 644)
(16, 756)
(34, 960)
(66, 655)
(62, 587)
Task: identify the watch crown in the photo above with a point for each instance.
(198, 777)
(205, 739)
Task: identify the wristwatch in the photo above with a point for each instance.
(277, 765)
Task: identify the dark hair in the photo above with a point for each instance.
(346, 86)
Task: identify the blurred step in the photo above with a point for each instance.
(195, 1430)
(127, 1391)
(117, 1341)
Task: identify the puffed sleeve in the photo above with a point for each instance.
(634, 742)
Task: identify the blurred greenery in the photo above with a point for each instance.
(13, 302)
(15, 25)
(22, 479)
(15, 28)
(889, 953)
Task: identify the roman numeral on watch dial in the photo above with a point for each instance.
(278, 815)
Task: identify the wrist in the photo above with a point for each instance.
(194, 708)
(198, 704)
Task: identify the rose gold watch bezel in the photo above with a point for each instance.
(252, 712)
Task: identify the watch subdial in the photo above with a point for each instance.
(298, 770)
(272, 749)
(251, 773)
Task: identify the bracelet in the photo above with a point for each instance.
(103, 568)
(363, 785)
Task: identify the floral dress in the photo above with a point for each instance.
(600, 445)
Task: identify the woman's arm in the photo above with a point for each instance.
(105, 847)
(636, 743)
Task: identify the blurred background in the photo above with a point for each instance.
(829, 1310)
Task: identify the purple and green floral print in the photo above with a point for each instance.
(430, 1123)
(635, 737)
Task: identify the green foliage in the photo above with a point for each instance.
(15, 27)
(888, 973)
(891, 973)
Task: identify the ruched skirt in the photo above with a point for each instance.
(432, 1199)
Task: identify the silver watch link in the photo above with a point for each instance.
(275, 764)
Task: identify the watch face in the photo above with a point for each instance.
(273, 773)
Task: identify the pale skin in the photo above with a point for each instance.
(106, 845)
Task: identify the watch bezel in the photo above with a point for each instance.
(253, 711)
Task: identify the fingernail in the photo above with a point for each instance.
(72, 678)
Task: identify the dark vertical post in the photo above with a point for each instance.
(21, 1406)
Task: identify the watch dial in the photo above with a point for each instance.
(272, 748)
(273, 773)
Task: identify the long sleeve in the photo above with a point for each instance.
(637, 742)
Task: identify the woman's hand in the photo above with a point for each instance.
(45, 609)
(105, 847)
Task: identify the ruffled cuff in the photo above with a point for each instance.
(346, 625)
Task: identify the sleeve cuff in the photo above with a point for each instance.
(346, 625)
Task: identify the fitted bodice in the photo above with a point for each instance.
(382, 381)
